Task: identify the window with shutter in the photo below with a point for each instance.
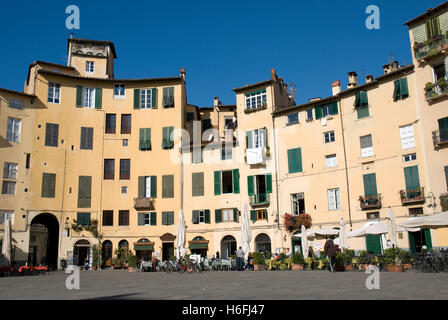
(48, 185)
(168, 218)
(168, 97)
(84, 191)
(370, 185)
(407, 137)
(198, 184)
(51, 135)
(110, 123)
(295, 160)
(125, 124)
(333, 199)
(167, 143)
(125, 169)
(412, 179)
(123, 217)
(168, 186)
(195, 217)
(86, 138)
(109, 169)
(108, 218)
(83, 219)
(145, 139)
(366, 146)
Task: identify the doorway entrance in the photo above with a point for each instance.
(167, 250)
(419, 239)
(263, 243)
(46, 227)
(228, 247)
(81, 253)
(107, 253)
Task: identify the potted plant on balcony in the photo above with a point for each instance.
(297, 261)
(258, 261)
(394, 260)
(442, 84)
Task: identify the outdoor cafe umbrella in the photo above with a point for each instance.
(433, 221)
(305, 249)
(6, 245)
(391, 228)
(376, 228)
(343, 242)
(323, 233)
(180, 251)
(246, 233)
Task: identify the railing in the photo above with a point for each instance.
(440, 137)
(144, 203)
(436, 90)
(370, 202)
(259, 199)
(412, 196)
(430, 47)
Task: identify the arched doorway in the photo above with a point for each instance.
(106, 253)
(143, 249)
(263, 243)
(228, 247)
(81, 253)
(123, 245)
(198, 246)
(44, 240)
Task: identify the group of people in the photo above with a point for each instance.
(240, 263)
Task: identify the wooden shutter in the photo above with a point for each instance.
(168, 186)
(235, 215)
(364, 98)
(153, 186)
(141, 219)
(168, 97)
(79, 90)
(217, 184)
(207, 216)
(165, 218)
(141, 187)
(407, 137)
(428, 240)
(363, 112)
(420, 33)
(198, 184)
(251, 185)
(334, 108)
(396, 94)
(411, 242)
(411, 178)
(136, 98)
(153, 218)
(195, 218)
(48, 185)
(404, 90)
(98, 98)
(269, 183)
(318, 112)
(51, 135)
(236, 181)
(291, 161)
(253, 215)
(370, 185)
(218, 215)
(154, 98)
(84, 191)
(373, 244)
(298, 160)
(443, 21)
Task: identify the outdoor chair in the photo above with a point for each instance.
(226, 265)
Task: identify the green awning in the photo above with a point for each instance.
(143, 247)
(198, 246)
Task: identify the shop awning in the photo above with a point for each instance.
(201, 244)
(143, 247)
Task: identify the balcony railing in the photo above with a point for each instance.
(259, 199)
(370, 202)
(440, 138)
(436, 90)
(430, 47)
(144, 203)
(412, 196)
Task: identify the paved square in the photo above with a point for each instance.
(230, 285)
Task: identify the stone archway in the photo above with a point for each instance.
(262, 243)
(228, 247)
(44, 240)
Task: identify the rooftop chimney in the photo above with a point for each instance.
(352, 79)
(273, 75)
(182, 73)
(336, 87)
(217, 102)
(314, 99)
(369, 78)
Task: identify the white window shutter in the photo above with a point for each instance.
(407, 137)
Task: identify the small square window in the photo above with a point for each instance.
(119, 91)
(329, 137)
(90, 66)
(415, 211)
(409, 157)
(125, 142)
(373, 215)
(124, 190)
(202, 216)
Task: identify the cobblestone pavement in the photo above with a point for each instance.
(230, 285)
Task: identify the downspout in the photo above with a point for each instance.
(62, 207)
(346, 167)
(101, 179)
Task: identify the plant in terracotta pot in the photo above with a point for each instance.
(406, 260)
(258, 261)
(394, 259)
(132, 262)
(364, 260)
(297, 261)
(348, 259)
(96, 256)
(339, 262)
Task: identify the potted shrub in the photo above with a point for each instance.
(406, 260)
(348, 260)
(297, 261)
(132, 262)
(258, 261)
(393, 260)
(96, 257)
(364, 260)
(339, 263)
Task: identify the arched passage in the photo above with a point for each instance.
(263, 243)
(107, 253)
(82, 252)
(44, 240)
(228, 247)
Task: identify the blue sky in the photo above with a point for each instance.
(222, 45)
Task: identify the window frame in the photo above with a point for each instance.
(256, 100)
(15, 103)
(337, 199)
(125, 171)
(15, 122)
(88, 97)
(289, 122)
(228, 215)
(368, 151)
(90, 66)
(7, 168)
(109, 129)
(9, 187)
(123, 218)
(121, 89)
(55, 90)
(331, 163)
(143, 99)
(330, 135)
(125, 129)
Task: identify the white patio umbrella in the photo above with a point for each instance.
(391, 228)
(433, 221)
(323, 233)
(376, 229)
(343, 242)
(305, 249)
(180, 251)
(6, 245)
(246, 232)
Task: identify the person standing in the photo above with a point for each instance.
(217, 255)
(330, 251)
(239, 259)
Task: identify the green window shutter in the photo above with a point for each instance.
(269, 183)
(235, 215)
(207, 216)
(84, 191)
(373, 244)
(164, 218)
(79, 97)
(291, 161)
(364, 98)
(334, 108)
(236, 181)
(197, 184)
(141, 187)
(153, 186)
(164, 138)
(154, 98)
(249, 140)
(250, 185)
(153, 218)
(195, 219)
(168, 186)
(443, 124)
(136, 98)
(318, 112)
(357, 100)
(419, 33)
(370, 185)
(141, 219)
(411, 178)
(98, 98)
(411, 242)
(404, 90)
(145, 139)
(217, 183)
(48, 185)
(253, 215)
(171, 218)
(297, 160)
(396, 95)
(428, 240)
(363, 112)
(266, 215)
(218, 216)
(142, 139)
